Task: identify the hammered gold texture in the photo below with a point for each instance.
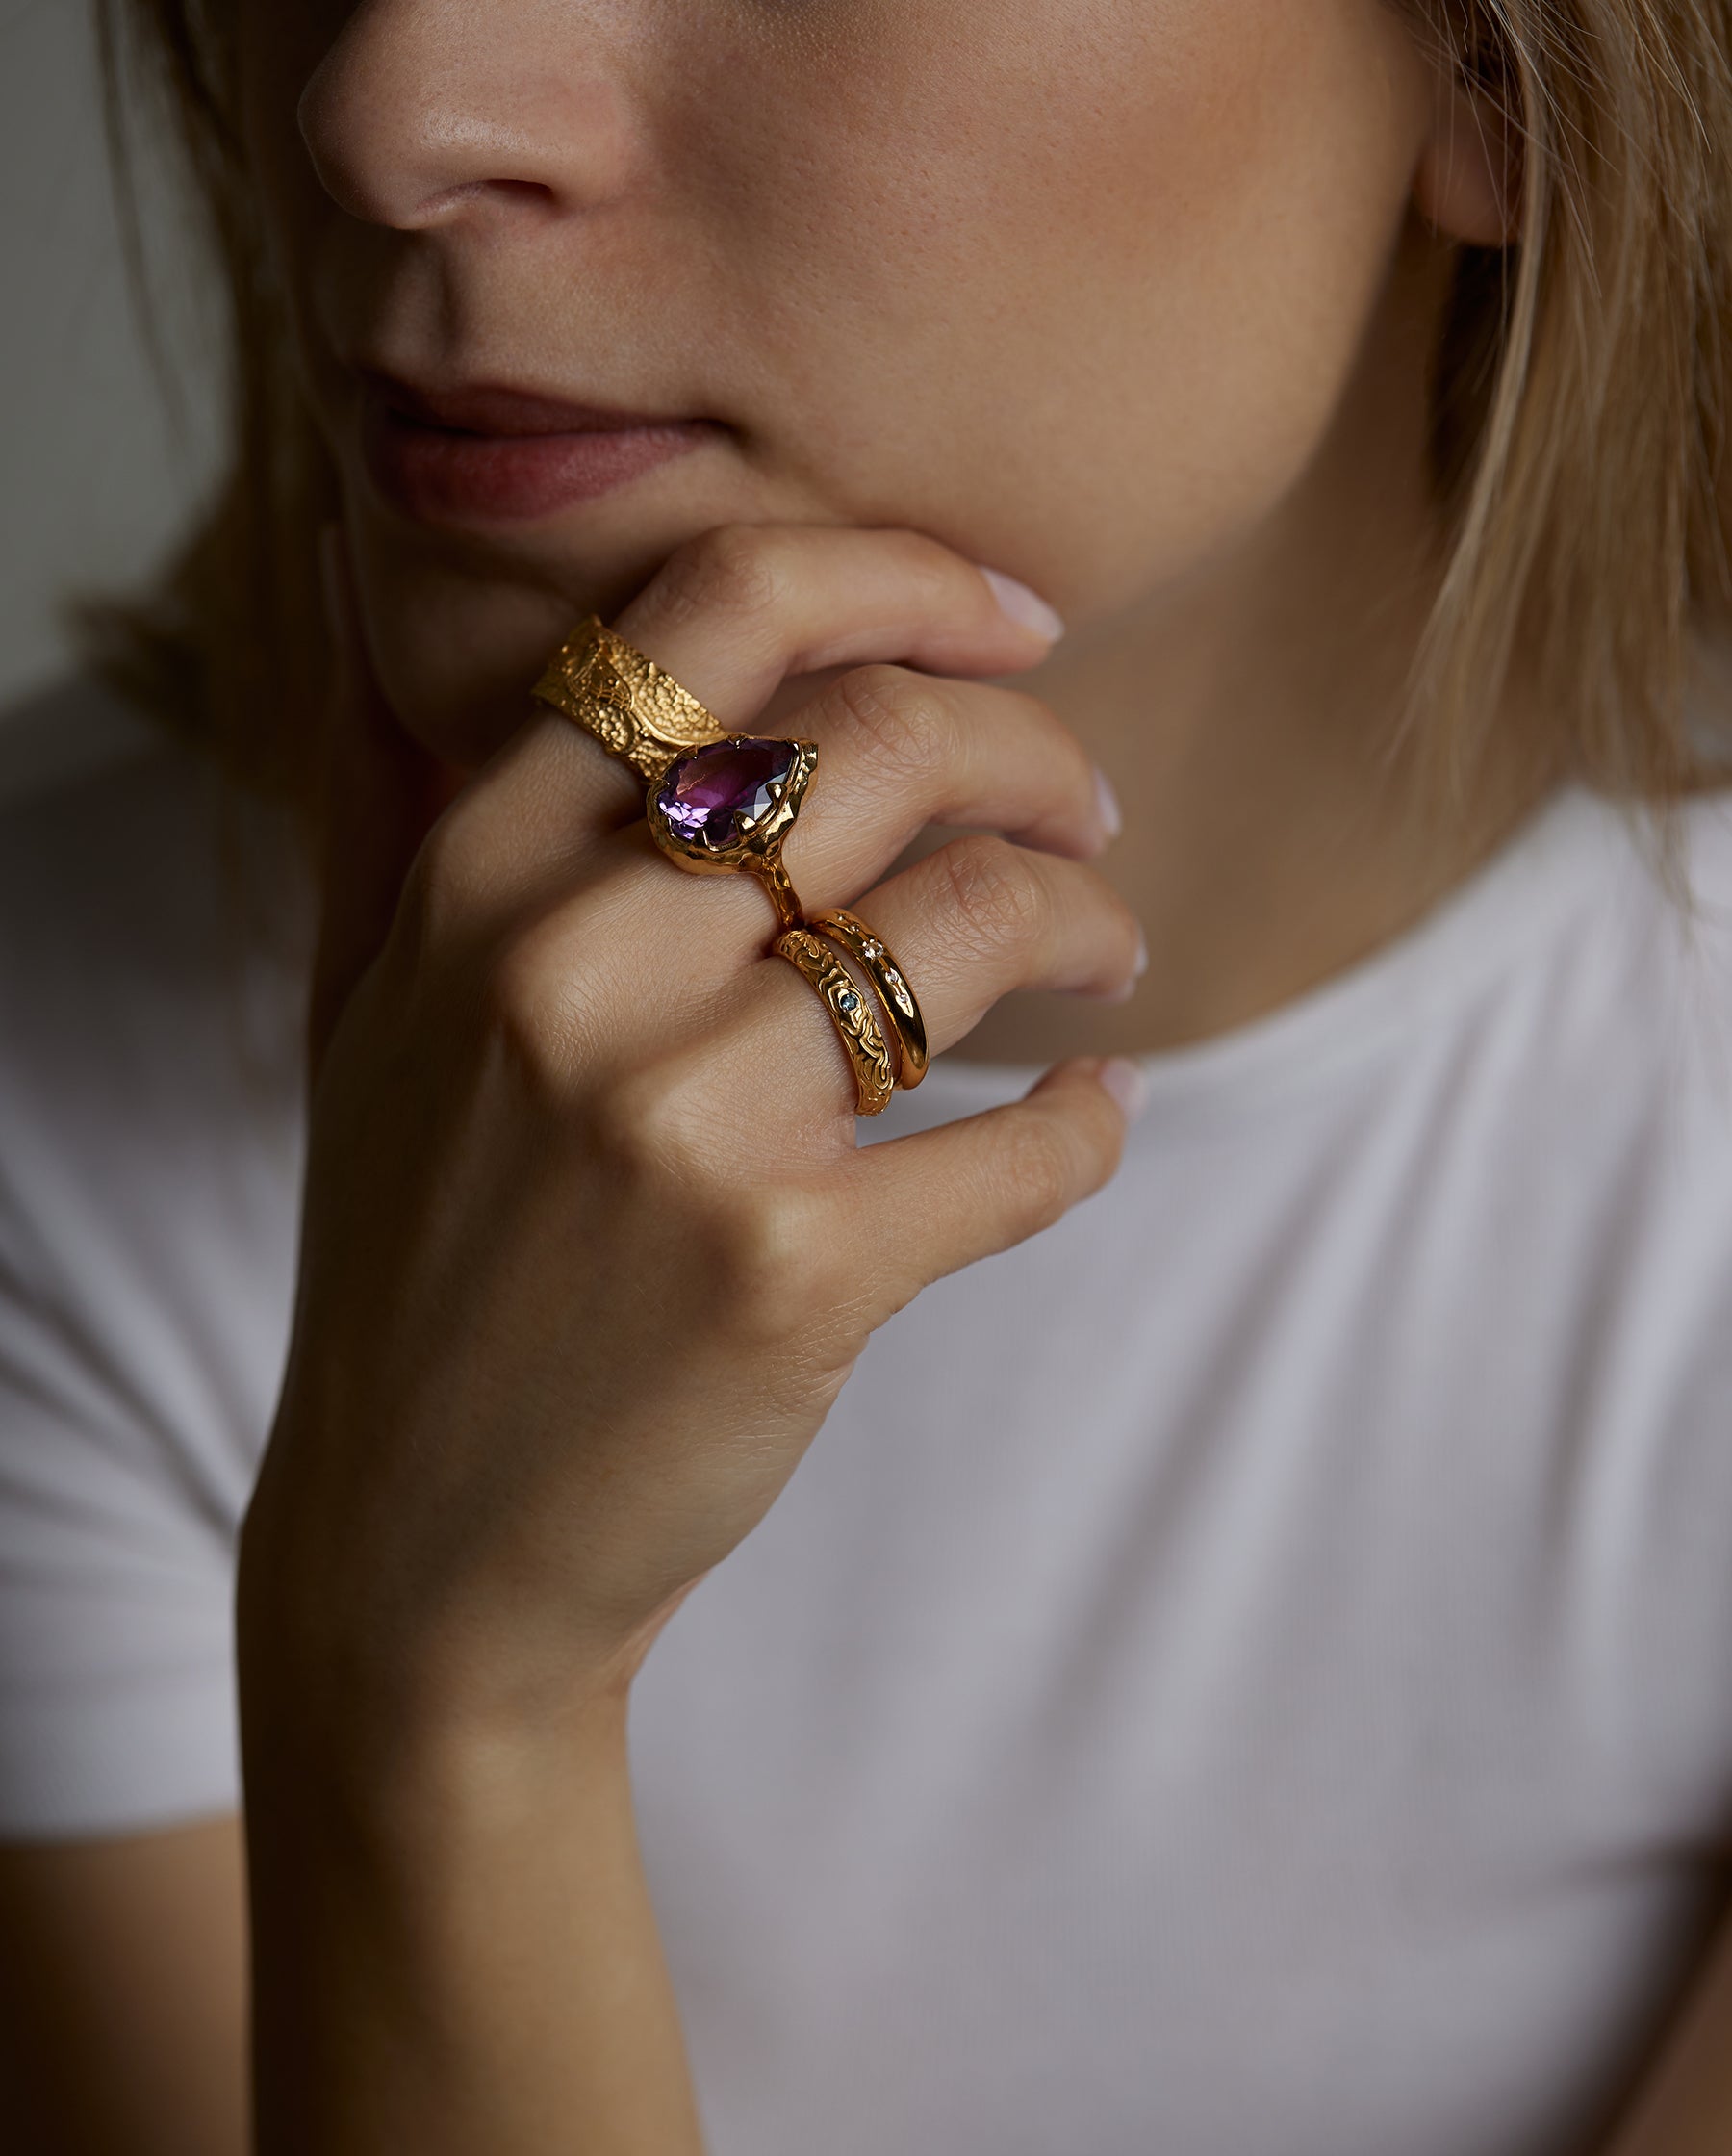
(875, 959)
(850, 1013)
(637, 713)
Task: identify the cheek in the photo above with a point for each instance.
(1095, 299)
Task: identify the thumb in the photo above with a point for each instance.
(381, 791)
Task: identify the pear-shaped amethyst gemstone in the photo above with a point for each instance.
(717, 795)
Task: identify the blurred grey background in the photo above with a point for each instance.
(97, 468)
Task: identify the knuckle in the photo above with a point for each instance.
(898, 719)
(525, 999)
(764, 1255)
(996, 890)
(752, 1243)
(444, 880)
(733, 569)
(642, 1122)
(1039, 1163)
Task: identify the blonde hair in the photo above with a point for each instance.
(1579, 401)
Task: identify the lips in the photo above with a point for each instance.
(485, 453)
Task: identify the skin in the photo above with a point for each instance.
(1132, 302)
(1211, 228)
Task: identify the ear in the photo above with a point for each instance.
(1468, 182)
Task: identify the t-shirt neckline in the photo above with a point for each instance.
(1548, 865)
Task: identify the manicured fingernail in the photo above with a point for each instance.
(1107, 802)
(1125, 1082)
(1027, 608)
(1142, 966)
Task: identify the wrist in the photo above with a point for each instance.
(386, 1738)
(419, 1774)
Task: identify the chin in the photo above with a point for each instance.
(456, 656)
(461, 625)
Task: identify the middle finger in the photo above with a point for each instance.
(899, 750)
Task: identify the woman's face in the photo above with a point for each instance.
(1074, 285)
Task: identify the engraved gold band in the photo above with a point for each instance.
(871, 955)
(850, 1013)
(636, 711)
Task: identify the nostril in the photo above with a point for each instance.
(527, 195)
(527, 190)
(422, 113)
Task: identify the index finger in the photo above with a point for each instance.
(733, 614)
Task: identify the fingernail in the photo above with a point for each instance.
(1124, 1080)
(1141, 966)
(1107, 805)
(1027, 608)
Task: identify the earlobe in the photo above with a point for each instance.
(1468, 183)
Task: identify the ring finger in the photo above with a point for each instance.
(966, 925)
(897, 751)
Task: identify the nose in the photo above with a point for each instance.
(427, 111)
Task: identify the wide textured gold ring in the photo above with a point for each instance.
(850, 1013)
(871, 955)
(637, 713)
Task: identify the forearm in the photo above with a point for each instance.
(456, 1955)
(1684, 2105)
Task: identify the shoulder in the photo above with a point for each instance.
(1705, 829)
(122, 851)
(150, 932)
(1631, 997)
(1701, 824)
(150, 1170)
(135, 891)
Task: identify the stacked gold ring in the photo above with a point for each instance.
(718, 803)
(857, 1028)
(871, 955)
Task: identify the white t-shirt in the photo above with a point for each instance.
(1247, 1674)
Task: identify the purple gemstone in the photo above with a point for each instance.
(717, 795)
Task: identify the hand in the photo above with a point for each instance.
(587, 1245)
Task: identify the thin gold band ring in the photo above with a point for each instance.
(871, 955)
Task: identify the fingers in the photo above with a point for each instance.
(936, 1201)
(981, 918)
(733, 613)
(381, 793)
(966, 925)
(899, 750)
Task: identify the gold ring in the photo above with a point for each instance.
(729, 805)
(858, 1031)
(637, 713)
(872, 956)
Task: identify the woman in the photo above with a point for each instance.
(1244, 1667)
